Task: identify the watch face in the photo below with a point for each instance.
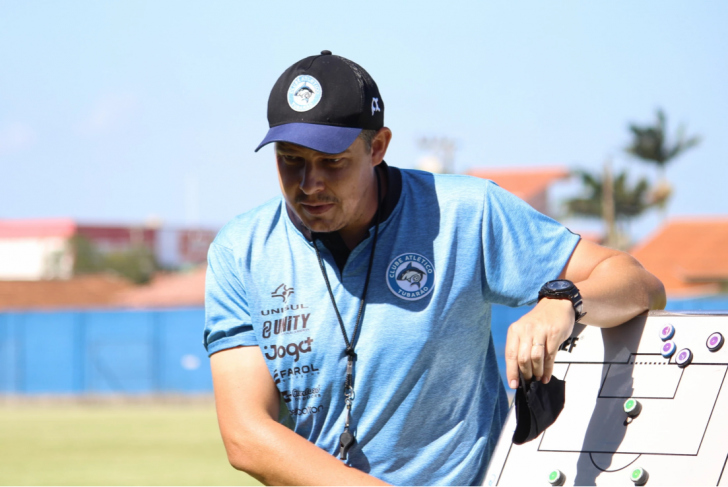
(560, 285)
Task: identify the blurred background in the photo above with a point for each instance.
(127, 132)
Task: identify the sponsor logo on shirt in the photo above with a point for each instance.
(294, 373)
(282, 292)
(293, 349)
(304, 394)
(411, 276)
(290, 307)
(286, 325)
(307, 410)
(307, 393)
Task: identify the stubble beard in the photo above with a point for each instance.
(311, 223)
(319, 224)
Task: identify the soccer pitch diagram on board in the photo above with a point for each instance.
(646, 404)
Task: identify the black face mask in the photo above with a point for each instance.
(537, 407)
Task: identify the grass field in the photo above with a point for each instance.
(113, 444)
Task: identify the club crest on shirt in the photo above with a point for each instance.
(304, 93)
(411, 276)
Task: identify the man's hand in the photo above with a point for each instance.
(614, 288)
(533, 340)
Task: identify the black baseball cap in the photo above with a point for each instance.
(323, 102)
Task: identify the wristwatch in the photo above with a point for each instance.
(563, 289)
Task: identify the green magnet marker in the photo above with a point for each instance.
(632, 407)
(639, 476)
(556, 477)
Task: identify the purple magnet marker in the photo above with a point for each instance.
(684, 357)
(715, 341)
(667, 332)
(668, 349)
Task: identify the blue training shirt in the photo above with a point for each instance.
(429, 402)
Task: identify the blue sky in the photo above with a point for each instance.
(115, 112)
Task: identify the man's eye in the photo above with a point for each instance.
(333, 162)
(291, 159)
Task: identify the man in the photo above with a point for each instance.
(356, 308)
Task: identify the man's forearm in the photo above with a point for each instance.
(247, 402)
(614, 288)
(619, 289)
(275, 455)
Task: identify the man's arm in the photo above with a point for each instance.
(614, 288)
(247, 404)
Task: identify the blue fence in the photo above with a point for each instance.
(143, 352)
(103, 352)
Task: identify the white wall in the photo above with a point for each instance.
(35, 258)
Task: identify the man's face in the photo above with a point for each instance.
(328, 192)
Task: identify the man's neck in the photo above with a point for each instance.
(353, 235)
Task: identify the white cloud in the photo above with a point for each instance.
(16, 136)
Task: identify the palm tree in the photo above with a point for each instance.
(616, 202)
(650, 144)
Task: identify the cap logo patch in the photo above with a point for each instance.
(411, 276)
(304, 93)
(375, 105)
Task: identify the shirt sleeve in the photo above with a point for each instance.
(522, 248)
(227, 319)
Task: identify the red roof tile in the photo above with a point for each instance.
(524, 182)
(167, 290)
(37, 228)
(79, 292)
(689, 255)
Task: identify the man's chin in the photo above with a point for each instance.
(313, 223)
(319, 226)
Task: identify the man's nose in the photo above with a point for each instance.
(312, 179)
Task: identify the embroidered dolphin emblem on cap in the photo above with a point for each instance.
(411, 274)
(303, 95)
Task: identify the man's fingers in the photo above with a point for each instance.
(512, 359)
(538, 352)
(552, 348)
(524, 360)
(548, 366)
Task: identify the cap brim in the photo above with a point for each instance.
(322, 138)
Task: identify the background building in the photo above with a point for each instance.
(531, 184)
(38, 249)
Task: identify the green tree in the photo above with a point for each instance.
(629, 201)
(616, 202)
(136, 263)
(650, 144)
(86, 257)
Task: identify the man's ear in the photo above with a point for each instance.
(380, 143)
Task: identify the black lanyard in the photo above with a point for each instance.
(347, 440)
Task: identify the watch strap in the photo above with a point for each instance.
(572, 294)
